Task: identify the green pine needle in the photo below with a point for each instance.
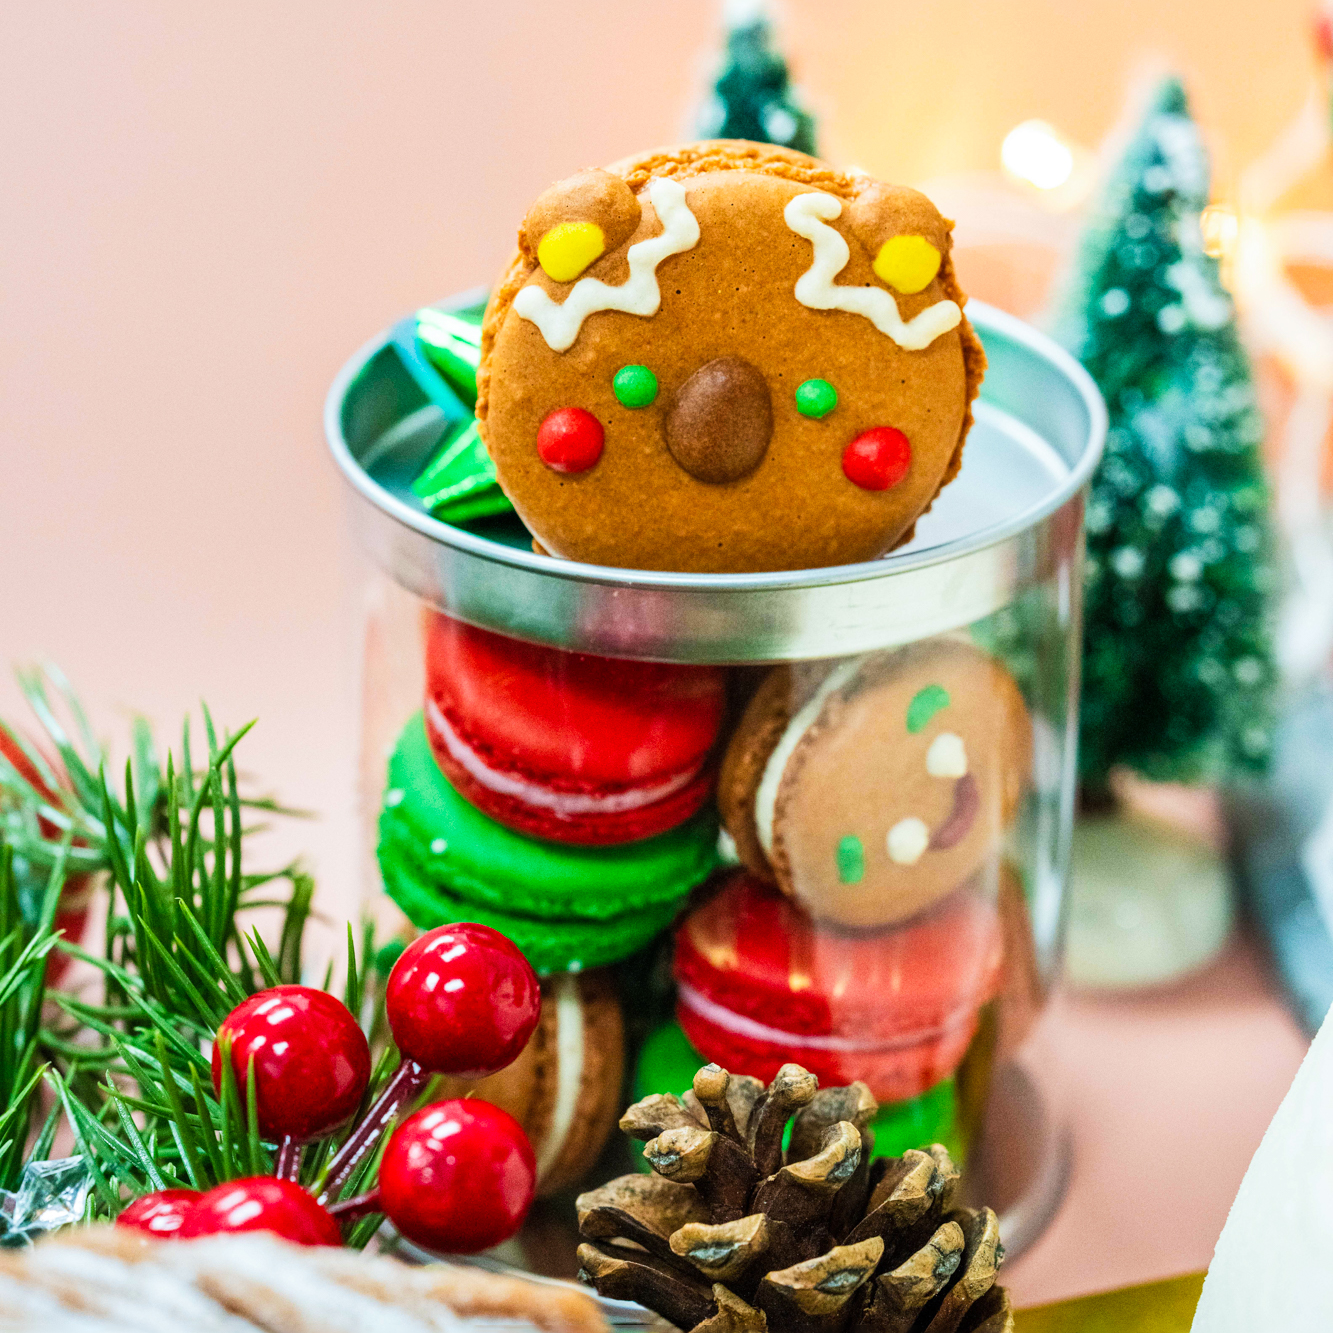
(130, 1071)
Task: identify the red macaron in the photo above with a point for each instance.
(567, 746)
(760, 984)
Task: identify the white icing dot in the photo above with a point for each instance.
(393, 797)
(946, 757)
(907, 840)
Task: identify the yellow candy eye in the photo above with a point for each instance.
(568, 248)
(908, 263)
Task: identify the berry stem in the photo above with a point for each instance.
(352, 1210)
(289, 1159)
(408, 1080)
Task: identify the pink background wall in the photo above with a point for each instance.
(204, 208)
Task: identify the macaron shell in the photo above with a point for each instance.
(779, 697)
(756, 736)
(896, 1008)
(582, 722)
(550, 944)
(564, 1089)
(455, 847)
(560, 812)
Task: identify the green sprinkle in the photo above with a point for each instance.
(816, 398)
(925, 704)
(851, 860)
(635, 386)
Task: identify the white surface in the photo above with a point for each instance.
(1272, 1271)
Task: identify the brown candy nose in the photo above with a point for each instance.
(719, 427)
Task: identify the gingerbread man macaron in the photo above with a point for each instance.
(727, 357)
(871, 788)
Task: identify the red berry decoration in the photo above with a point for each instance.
(311, 1060)
(877, 459)
(159, 1215)
(458, 1176)
(569, 440)
(462, 1000)
(262, 1203)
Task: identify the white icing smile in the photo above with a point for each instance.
(639, 294)
(808, 215)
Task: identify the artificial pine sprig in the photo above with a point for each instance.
(24, 947)
(130, 1070)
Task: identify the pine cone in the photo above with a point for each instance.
(731, 1235)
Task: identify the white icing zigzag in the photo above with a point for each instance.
(639, 294)
(808, 215)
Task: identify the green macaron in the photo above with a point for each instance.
(566, 907)
(667, 1063)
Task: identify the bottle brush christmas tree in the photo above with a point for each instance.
(1177, 669)
(752, 95)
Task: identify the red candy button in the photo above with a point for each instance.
(569, 440)
(877, 459)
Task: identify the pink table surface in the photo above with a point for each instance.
(1169, 1094)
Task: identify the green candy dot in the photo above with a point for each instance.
(816, 398)
(851, 860)
(925, 704)
(635, 386)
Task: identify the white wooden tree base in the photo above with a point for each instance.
(1148, 903)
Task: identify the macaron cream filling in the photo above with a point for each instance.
(766, 796)
(561, 803)
(569, 1066)
(742, 1026)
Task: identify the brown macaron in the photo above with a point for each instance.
(565, 1089)
(870, 788)
(763, 359)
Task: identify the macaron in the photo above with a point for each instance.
(760, 983)
(565, 1088)
(566, 907)
(667, 1063)
(871, 788)
(567, 746)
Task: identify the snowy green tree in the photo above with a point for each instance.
(1178, 672)
(752, 97)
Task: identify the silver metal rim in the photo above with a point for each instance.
(1035, 391)
(983, 316)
